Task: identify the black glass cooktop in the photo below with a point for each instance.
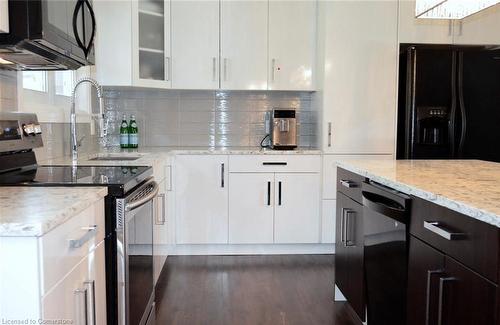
(117, 178)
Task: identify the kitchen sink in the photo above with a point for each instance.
(115, 158)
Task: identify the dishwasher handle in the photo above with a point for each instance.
(385, 205)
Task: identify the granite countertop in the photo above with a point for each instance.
(471, 187)
(34, 211)
(149, 156)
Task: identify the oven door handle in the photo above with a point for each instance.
(146, 193)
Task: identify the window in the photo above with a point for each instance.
(60, 82)
(35, 80)
(47, 93)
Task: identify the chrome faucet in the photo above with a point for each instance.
(99, 116)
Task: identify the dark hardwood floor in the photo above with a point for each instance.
(253, 290)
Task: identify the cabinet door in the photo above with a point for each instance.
(359, 96)
(151, 43)
(465, 297)
(297, 208)
(425, 265)
(244, 44)
(160, 232)
(349, 275)
(195, 44)
(81, 294)
(201, 194)
(418, 30)
(251, 208)
(113, 69)
(4, 16)
(97, 274)
(292, 42)
(481, 28)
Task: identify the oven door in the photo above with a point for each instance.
(135, 254)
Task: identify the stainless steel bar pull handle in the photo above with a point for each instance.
(442, 283)
(88, 232)
(81, 306)
(160, 220)
(347, 183)
(430, 274)
(440, 230)
(90, 285)
(222, 175)
(350, 216)
(342, 226)
(167, 68)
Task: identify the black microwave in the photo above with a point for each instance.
(48, 35)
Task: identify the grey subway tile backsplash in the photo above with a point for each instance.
(194, 118)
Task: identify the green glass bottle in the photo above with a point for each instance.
(133, 133)
(124, 132)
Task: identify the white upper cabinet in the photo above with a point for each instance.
(201, 199)
(195, 44)
(151, 43)
(133, 43)
(292, 42)
(413, 30)
(113, 54)
(359, 87)
(4, 16)
(482, 28)
(244, 44)
(226, 44)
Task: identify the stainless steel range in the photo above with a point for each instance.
(132, 192)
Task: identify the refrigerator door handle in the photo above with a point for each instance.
(463, 116)
(453, 110)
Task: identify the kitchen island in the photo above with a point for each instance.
(443, 219)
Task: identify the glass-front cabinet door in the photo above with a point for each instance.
(151, 43)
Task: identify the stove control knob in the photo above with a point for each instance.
(29, 129)
(37, 128)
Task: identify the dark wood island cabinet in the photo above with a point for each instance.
(453, 260)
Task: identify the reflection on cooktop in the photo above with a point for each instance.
(69, 175)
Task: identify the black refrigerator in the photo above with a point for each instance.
(449, 102)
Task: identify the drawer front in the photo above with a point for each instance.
(59, 255)
(274, 163)
(67, 299)
(349, 184)
(471, 242)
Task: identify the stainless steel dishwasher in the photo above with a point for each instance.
(386, 218)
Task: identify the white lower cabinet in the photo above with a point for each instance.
(81, 296)
(201, 194)
(251, 208)
(247, 199)
(267, 208)
(51, 281)
(296, 208)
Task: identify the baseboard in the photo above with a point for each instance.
(271, 249)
